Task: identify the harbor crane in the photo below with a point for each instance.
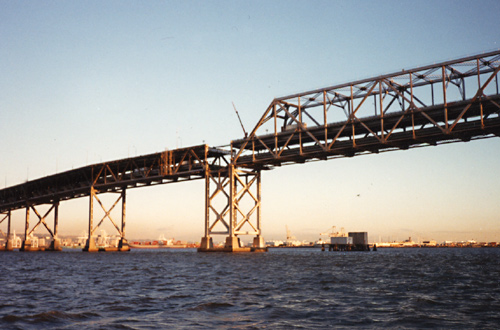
(241, 123)
(289, 236)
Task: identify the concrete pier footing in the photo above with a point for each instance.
(27, 246)
(123, 245)
(90, 246)
(207, 243)
(258, 242)
(233, 244)
(9, 246)
(55, 245)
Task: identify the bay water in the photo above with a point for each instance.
(414, 288)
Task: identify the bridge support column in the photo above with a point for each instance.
(55, 244)
(9, 246)
(123, 244)
(27, 244)
(216, 204)
(258, 242)
(235, 203)
(31, 242)
(91, 245)
(207, 243)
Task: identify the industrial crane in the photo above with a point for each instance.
(289, 236)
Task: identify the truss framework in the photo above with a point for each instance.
(6, 216)
(238, 210)
(29, 244)
(447, 102)
(90, 245)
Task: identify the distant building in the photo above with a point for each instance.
(274, 243)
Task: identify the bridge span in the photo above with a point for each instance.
(453, 101)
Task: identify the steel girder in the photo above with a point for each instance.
(447, 102)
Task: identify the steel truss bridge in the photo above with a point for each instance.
(452, 101)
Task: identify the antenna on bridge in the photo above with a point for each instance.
(241, 123)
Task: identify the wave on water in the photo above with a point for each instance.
(281, 289)
(212, 307)
(49, 317)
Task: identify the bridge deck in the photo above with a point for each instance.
(158, 168)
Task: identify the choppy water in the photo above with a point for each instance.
(281, 289)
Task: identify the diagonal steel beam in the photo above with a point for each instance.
(479, 93)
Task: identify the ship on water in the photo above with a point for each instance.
(162, 242)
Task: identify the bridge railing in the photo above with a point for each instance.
(453, 100)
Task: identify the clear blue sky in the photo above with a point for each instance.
(88, 81)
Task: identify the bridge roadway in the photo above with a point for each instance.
(452, 101)
(170, 166)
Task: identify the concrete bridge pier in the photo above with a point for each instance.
(207, 243)
(233, 243)
(55, 245)
(28, 246)
(258, 242)
(90, 245)
(9, 246)
(123, 245)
